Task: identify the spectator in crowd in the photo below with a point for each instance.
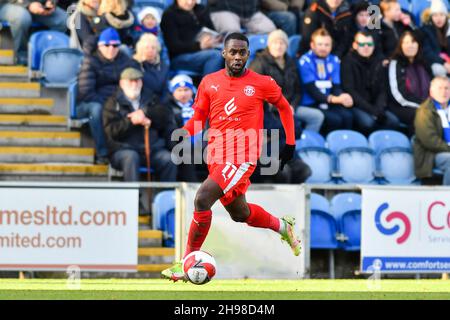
(97, 81)
(125, 116)
(393, 24)
(283, 13)
(115, 14)
(333, 15)
(274, 62)
(21, 13)
(321, 80)
(229, 15)
(84, 23)
(432, 141)
(409, 79)
(363, 77)
(436, 38)
(189, 36)
(156, 72)
(148, 21)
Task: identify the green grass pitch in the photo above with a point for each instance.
(224, 289)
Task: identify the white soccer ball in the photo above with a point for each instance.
(199, 267)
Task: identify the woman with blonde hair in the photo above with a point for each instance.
(115, 14)
(156, 72)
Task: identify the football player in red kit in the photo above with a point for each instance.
(232, 100)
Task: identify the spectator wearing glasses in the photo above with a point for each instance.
(363, 77)
(97, 81)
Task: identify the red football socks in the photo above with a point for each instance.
(260, 218)
(198, 231)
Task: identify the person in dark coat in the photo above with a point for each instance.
(409, 79)
(230, 15)
(274, 62)
(115, 14)
(333, 15)
(436, 38)
(156, 72)
(97, 81)
(125, 116)
(432, 129)
(190, 46)
(84, 23)
(363, 77)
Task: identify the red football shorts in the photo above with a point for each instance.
(233, 179)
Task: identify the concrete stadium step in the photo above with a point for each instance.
(40, 138)
(150, 238)
(20, 89)
(13, 73)
(6, 57)
(152, 267)
(26, 105)
(53, 171)
(46, 154)
(150, 252)
(32, 122)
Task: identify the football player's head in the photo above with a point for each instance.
(236, 53)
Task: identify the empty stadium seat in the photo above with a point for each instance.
(311, 148)
(323, 225)
(394, 158)
(294, 43)
(41, 41)
(352, 152)
(60, 67)
(163, 202)
(346, 208)
(169, 229)
(256, 42)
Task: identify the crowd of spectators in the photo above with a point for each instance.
(354, 69)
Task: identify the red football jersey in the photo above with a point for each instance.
(235, 112)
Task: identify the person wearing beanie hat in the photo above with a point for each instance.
(109, 36)
(436, 38)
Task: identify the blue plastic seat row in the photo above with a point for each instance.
(346, 156)
(163, 216)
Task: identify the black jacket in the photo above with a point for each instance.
(318, 15)
(98, 78)
(180, 28)
(244, 9)
(156, 77)
(122, 134)
(287, 79)
(364, 79)
(431, 46)
(391, 36)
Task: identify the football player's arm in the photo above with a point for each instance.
(201, 112)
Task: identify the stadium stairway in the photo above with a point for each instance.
(36, 142)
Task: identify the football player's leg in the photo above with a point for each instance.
(208, 193)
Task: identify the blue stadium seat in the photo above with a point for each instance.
(311, 148)
(352, 151)
(346, 208)
(394, 157)
(161, 4)
(60, 67)
(294, 43)
(256, 42)
(169, 229)
(41, 41)
(323, 225)
(163, 202)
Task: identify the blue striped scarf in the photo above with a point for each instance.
(444, 120)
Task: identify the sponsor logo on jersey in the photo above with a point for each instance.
(230, 107)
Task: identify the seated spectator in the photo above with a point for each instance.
(230, 15)
(432, 124)
(363, 77)
(321, 80)
(393, 24)
(125, 116)
(98, 80)
(333, 15)
(190, 48)
(274, 62)
(182, 91)
(436, 39)
(282, 13)
(409, 79)
(116, 15)
(156, 72)
(84, 23)
(148, 20)
(21, 13)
